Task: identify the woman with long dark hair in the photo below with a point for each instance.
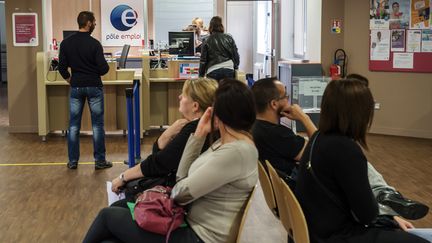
(333, 187)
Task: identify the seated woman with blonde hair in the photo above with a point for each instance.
(197, 95)
(215, 185)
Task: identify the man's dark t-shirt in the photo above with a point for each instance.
(277, 144)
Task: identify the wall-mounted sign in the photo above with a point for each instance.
(122, 23)
(25, 29)
(336, 26)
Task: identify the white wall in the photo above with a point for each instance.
(2, 26)
(313, 29)
(240, 25)
(174, 15)
(287, 30)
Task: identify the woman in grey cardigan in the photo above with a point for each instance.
(215, 185)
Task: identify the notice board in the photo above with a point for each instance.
(400, 35)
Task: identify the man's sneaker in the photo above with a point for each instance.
(103, 165)
(406, 208)
(72, 165)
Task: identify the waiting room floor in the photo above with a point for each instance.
(49, 203)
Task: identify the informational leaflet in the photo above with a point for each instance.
(403, 60)
(420, 14)
(380, 45)
(397, 40)
(113, 197)
(413, 40)
(426, 45)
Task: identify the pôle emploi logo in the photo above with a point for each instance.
(123, 18)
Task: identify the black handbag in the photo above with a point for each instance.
(381, 221)
(135, 187)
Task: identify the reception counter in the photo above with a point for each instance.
(159, 92)
(53, 98)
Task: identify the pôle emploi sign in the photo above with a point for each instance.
(122, 22)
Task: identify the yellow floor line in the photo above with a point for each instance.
(49, 164)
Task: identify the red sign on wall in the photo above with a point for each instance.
(25, 29)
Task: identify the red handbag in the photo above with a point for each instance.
(156, 212)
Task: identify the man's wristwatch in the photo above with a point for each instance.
(122, 178)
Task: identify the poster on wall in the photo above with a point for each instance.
(122, 22)
(413, 40)
(420, 14)
(25, 29)
(426, 41)
(398, 40)
(399, 14)
(380, 45)
(379, 14)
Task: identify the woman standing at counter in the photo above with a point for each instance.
(219, 55)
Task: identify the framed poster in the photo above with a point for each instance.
(25, 29)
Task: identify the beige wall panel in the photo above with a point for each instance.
(331, 42)
(159, 104)
(64, 15)
(21, 65)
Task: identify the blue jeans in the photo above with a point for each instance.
(221, 73)
(95, 98)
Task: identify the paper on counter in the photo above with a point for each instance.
(113, 197)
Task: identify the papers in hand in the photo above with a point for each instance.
(425, 233)
(113, 197)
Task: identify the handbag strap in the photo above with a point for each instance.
(318, 181)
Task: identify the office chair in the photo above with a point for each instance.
(124, 55)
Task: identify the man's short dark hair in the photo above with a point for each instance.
(264, 90)
(395, 3)
(84, 17)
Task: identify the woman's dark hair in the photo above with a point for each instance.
(358, 77)
(84, 17)
(234, 105)
(264, 91)
(216, 25)
(347, 108)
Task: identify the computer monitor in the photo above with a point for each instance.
(67, 33)
(181, 43)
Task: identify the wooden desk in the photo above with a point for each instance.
(53, 98)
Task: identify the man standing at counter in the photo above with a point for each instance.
(84, 55)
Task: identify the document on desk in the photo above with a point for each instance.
(425, 233)
(113, 197)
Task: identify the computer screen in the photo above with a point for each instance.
(67, 33)
(181, 43)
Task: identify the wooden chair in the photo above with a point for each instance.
(280, 200)
(298, 229)
(237, 229)
(267, 188)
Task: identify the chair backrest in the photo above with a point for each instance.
(267, 188)
(124, 55)
(280, 200)
(245, 212)
(298, 226)
(239, 221)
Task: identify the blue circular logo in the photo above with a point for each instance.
(123, 17)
